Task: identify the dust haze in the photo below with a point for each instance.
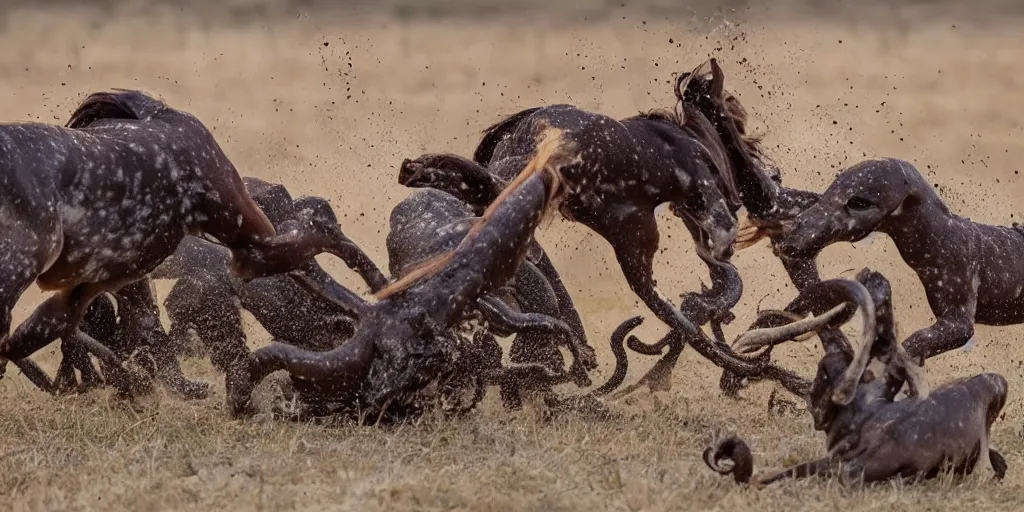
(328, 98)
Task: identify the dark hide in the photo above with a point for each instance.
(431, 222)
(698, 160)
(870, 436)
(971, 272)
(98, 204)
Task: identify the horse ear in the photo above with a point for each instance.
(682, 82)
(717, 79)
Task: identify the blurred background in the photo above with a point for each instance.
(329, 97)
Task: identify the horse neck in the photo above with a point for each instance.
(922, 218)
(793, 201)
(491, 257)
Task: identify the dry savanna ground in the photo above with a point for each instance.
(330, 104)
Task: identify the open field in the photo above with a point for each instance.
(330, 102)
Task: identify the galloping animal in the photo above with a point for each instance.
(98, 204)
(697, 159)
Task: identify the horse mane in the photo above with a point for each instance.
(115, 104)
(729, 111)
(691, 120)
(496, 132)
(707, 95)
(553, 152)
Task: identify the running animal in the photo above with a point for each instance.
(99, 203)
(971, 272)
(697, 159)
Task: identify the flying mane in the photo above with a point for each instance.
(552, 153)
(115, 104)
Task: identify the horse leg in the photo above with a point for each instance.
(715, 303)
(139, 300)
(74, 356)
(633, 234)
(58, 317)
(949, 332)
(100, 322)
(21, 261)
(538, 293)
(207, 305)
(569, 314)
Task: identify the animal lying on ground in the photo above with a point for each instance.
(96, 205)
(697, 159)
(971, 272)
(870, 436)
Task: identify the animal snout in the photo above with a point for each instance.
(792, 244)
(720, 242)
(409, 170)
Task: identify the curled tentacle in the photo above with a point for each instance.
(317, 211)
(734, 450)
(619, 351)
(506, 319)
(649, 349)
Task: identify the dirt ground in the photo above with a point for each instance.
(329, 104)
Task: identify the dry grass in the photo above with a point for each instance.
(335, 120)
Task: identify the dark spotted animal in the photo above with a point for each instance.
(206, 299)
(98, 204)
(869, 435)
(401, 342)
(128, 322)
(697, 159)
(971, 272)
(431, 222)
(477, 188)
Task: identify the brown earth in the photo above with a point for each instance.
(329, 102)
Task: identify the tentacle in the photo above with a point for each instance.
(318, 211)
(619, 351)
(496, 311)
(330, 290)
(734, 450)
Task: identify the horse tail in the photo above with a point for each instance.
(496, 132)
(553, 153)
(115, 104)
